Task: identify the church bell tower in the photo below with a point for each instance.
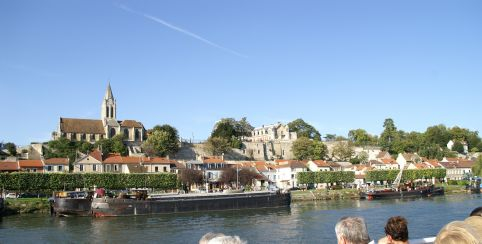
(109, 109)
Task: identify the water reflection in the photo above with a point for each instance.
(306, 222)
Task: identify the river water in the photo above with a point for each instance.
(305, 222)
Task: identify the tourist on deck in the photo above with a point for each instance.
(352, 230)
(396, 231)
(458, 232)
(477, 212)
(220, 238)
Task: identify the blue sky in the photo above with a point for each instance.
(339, 65)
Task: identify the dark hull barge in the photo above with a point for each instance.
(388, 194)
(71, 207)
(103, 207)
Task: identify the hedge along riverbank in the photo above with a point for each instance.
(411, 174)
(55, 182)
(326, 177)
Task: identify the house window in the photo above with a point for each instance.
(137, 135)
(165, 169)
(156, 169)
(73, 136)
(92, 137)
(49, 168)
(81, 168)
(108, 168)
(283, 152)
(94, 167)
(116, 167)
(82, 137)
(61, 168)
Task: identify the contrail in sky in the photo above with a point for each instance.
(183, 31)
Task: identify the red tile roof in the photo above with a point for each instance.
(213, 160)
(157, 160)
(8, 166)
(97, 154)
(321, 163)
(131, 123)
(57, 161)
(30, 164)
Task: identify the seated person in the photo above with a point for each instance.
(396, 231)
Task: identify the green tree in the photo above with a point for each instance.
(303, 148)
(343, 151)
(112, 145)
(11, 148)
(62, 148)
(388, 136)
(477, 168)
(320, 150)
(224, 129)
(458, 147)
(330, 137)
(360, 137)
(217, 145)
(163, 140)
(437, 134)
(304, 129)
(86, 147)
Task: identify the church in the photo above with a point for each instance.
(92, 130)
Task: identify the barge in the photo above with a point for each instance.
(164, 204)
(391, 193)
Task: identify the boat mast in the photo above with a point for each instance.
(399, 178)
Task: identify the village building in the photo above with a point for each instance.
(9, 166)
(56, 165)
(33, 166)
(92, 130)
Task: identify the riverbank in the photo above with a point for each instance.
(26, 206)
(324, 194)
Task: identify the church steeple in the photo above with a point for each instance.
(109, 108)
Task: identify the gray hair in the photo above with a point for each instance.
(353, 230)
(220, 238)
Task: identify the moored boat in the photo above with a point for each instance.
(169, 203)
(71, 204)
(426, 191)
(189, 203)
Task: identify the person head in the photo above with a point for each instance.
(352, 230)
(457, 232)
(220, 238)
(396, 229)
(477, 212)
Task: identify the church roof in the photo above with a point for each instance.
(108, 93)
(87, 126)
(131, 123)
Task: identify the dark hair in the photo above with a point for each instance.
(397, 228)
(477, 212)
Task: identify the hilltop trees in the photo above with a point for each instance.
(11, 148)
(163, 140)
(304, 148)
(226, 134)
(112, 145)
(304, 129)
(360, 137)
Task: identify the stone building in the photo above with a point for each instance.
(269, 142)
(274, 132)
(92, 130)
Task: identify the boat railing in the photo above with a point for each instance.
(422, 241)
